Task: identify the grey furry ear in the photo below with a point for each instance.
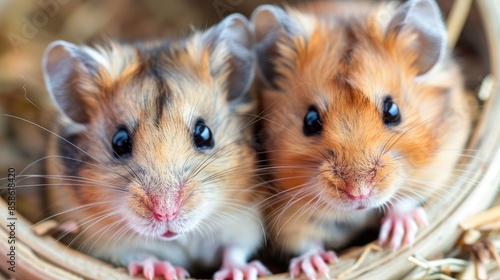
(69, 71)
(269, 23)
(424, 19)
(234, 31)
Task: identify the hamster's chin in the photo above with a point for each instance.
(358, 205)
(340, 202)
(160, 230)
(344, 204)
(373, 202)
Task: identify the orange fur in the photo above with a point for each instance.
(345, 65)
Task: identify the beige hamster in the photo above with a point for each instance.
(154, 159)
(365, 115)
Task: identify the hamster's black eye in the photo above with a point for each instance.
(202, 136)
(122, 143)
(391, 113)
(312, 122)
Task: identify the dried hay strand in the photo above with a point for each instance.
(476, 255)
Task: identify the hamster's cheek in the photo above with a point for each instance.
(138, 202)
(390, 188)
(388, 183)
(329, 185)
(103, 188)
(195, 197)
(198, 204)
(294, 163)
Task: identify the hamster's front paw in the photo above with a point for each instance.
(249, 271)
(312, 264)
(401, 227)
(151, 267)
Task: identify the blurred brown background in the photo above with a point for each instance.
(28, 26)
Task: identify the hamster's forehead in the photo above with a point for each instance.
(160, 80)
(342, 55)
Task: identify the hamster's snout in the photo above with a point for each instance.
(163, 213)
(166, 208)
(160, 215)
(357, 183)
(159, 206)
(356, 178)
(360, 192)
(353, 190)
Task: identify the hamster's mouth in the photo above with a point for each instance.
(360, 205)
(355, 204)
(169, 234)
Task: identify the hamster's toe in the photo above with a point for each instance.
(152, 267)
(401, 228)
(248, 272)
(312, 264)
(69, 227)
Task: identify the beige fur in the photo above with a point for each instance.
(157, 91)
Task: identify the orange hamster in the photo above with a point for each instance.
(365, 116)
(153, 159)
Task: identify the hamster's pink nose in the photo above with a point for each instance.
(357, 197)
(357, 190)
(360, 192)
(164, 215)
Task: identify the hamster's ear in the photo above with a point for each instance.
(69, 71)
(269, 24)
(233, 32)
(422, 18)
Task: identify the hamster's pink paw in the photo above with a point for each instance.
(152, 267)
(312, 264)
(401, 227)
(69, 227)
(249, 272)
